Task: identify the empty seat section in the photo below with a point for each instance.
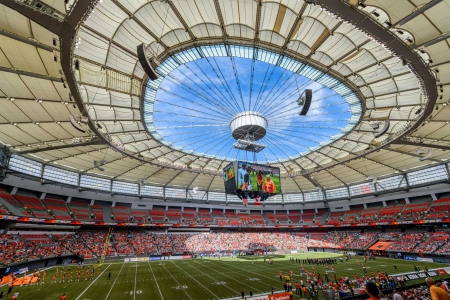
(294, 216)
(335, 217)
(257, 218)
(158, 215)
(271, 217)
(121, 212)
(57, 204)
(389, 213)
(139, 215)
(97, 210)
(368, 215)
(33, 203)
(204, 216)
(189, 215)
(308, 216)
(12, 201)
(282, 217)
(173, 215)
(81, 209)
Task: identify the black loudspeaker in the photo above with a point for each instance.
(307, 103)
(75, 124)
(148, 66)
(385, 128)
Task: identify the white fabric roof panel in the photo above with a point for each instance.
(197, 12)
(239, 12)
(165, 19)
(106, 18)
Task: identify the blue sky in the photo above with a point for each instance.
(196, 101)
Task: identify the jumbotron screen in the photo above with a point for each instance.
(250, 180)
(258, 178)
(229, 177)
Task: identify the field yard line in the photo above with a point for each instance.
(184, 290)
(157, 285)
(195, 279)
(245, 270)
(135, 274)
(92, 282)
(235, 279)
(114, 283)
(213, 278)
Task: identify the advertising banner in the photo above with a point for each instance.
(424, 259)
(380, 246)
(176, 257)
(20, 271)
(155, 258)
(441, 272)
(265, 297)
(280, 296)
(408, 258)
(186, 257)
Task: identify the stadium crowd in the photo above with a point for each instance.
(89, 244)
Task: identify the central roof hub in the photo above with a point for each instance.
(248, 123)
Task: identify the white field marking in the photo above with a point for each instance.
(263, 294)
(215, 270)
(114, 283)
(206, 275)
(245, 270)
(157, 285)
(184, 289)
(92, 282)
(135, 273)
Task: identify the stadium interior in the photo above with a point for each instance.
(224, 149)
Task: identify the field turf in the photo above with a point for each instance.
(196, 279)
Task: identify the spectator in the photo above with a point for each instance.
(436, 292)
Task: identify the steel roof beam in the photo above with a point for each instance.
(220, 17)
(417, 12)
(408, 143)
(27, 41)
(30, 74)
(50, 147)
(46, 21)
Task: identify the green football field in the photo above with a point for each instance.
(195, 279)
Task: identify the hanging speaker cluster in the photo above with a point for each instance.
(383, 130)
(149, 65)
(305, 101)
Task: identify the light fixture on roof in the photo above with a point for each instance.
(11, 98)
(37, 122)
(99, 164)
(373, 178)
(427, 156)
